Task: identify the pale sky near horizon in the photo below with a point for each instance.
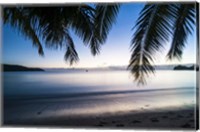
(116, 50)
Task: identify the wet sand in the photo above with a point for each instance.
(169, 119)
(143, 110)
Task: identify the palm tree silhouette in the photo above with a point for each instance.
(52, 25)
(157, 24)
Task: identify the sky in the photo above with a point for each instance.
(115, 52)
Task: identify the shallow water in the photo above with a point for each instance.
(29, 94)
(47, 83)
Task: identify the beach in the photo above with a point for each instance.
(158, 119)
(94, 111)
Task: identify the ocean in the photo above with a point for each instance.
(57, 93)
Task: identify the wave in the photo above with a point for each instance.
(87, 94)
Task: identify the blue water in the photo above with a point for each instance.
(50, 83)
(93, 92)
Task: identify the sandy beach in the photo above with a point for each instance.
(157, 119)
(103, 111)
(161, 119)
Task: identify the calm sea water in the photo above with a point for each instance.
(94, 92)
(17, 84)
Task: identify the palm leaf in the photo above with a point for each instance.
(71, 54)
(20, 20)
(93, 24)
(51, 25)
(152, 31)
(184, 23)
(105, 16)
(82, 23)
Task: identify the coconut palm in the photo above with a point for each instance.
(52, 25)
(156, 25)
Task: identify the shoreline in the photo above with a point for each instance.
(151, 119)
(31, 97)
(165, 109)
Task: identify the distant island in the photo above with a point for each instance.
(181, 67)
(7, 67)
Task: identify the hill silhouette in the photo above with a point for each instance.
(181, 67)
(7, 67)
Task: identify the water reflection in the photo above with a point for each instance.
(26, 83)
(82, 93)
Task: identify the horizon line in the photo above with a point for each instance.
(117, 66)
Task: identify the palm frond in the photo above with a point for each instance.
(71, 55)
(82, 23)
(105, 16)
(152, 31)
(51, 25)
(20, 20)
(184, 23)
